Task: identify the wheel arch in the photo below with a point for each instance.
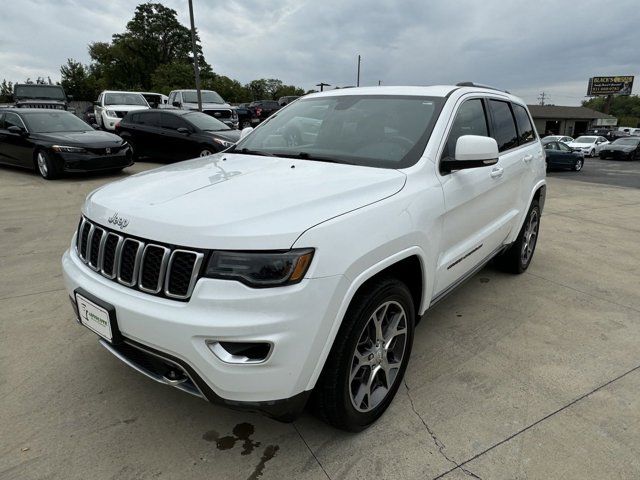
(409, 264)
(539, 193)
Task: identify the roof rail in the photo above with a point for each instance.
(479, 85)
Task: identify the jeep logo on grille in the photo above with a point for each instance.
(118, 221)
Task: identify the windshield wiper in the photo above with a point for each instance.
(246, 151)
(308, 156)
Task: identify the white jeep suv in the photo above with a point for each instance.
(112, 106)
(297, 263)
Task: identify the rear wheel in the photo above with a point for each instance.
(46, 166)
(369, 357)
(518, 256)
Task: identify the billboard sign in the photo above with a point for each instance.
(599, 86)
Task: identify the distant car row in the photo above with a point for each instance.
(565, 152)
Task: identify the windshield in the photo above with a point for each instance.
(122, 98)
(54, 121)
(387, 131)
(208, 96)
(40, 91)
(627, 141)
(585, 140)
(205, 122)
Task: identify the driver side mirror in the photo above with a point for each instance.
(17, 130)
(245, 132)
(472, 151)
(184, 131)
(176, 104)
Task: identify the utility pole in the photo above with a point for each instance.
(541, 98)
(322, 85)
(379, 82)
(358, 82)
(195, 56)
(606, 108)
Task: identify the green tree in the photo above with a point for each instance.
(172, 76)
(153, 38)
(625, 108)
(79, 81)
(6, 91)
(229, 89)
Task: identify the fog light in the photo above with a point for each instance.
(240, 352)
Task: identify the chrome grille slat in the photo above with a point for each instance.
(161, 274)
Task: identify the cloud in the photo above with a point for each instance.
(523, 46)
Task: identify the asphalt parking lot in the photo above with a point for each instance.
(531, 376)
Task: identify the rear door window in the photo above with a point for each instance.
(172, 122)
(149, 119)
(525, 129)
(504, 125)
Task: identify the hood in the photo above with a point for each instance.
(90, 138)
(620, 148)
(580, 145)
(206, 106)
(230, 135)
(126, 108)
(239, 202)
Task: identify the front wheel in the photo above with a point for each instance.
(578, 165)
(46, 165)
(369, 357)
(517, 257)
(205, 152)
(592, 153)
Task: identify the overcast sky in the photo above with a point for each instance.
(521, 45)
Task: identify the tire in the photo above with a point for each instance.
(205, 152)
(341, 396)
(134, 148)
(514, 260)
(578, 165)
(45, 165)
(592, 153)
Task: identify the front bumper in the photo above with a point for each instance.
(87, 162)
(295, 319)
(616, 154)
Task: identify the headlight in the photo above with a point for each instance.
(65, 148)
(260, 269)
(234, 114)
(110, 113)
(224, 143)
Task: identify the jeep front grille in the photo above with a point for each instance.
(153, 268)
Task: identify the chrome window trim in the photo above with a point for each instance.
(193, 278)
(136, 263)
(116, 257)
(163, 268)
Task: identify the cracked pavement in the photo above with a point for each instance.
(520, 377)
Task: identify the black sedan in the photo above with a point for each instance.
(175, 134)
(560, 155)
(627, 148)
(56, 141)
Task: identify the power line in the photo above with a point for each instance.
(542, 97)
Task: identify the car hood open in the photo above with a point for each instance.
(239, 202)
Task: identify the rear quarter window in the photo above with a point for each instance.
(525, 129)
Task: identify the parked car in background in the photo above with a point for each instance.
(298, 261)
(246, 117)
(89, 115)
(55, 142)
(627, 148)
(155, 100)
(263, 109)
(212, 105)
(175, 134)
(588, 144)
(560, 155)
(35, 95)
(112, 106)
(557, 138)
(282, 101)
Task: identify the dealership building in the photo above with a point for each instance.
(572, 121)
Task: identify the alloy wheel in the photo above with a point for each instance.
(530, 237)
(578, 166)
(42, 164)
(378, 356)
(205, 153)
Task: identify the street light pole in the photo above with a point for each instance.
(322, 85)
(195, 56)
(358, 81)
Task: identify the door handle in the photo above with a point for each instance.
(527, 158)
(497, 172)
